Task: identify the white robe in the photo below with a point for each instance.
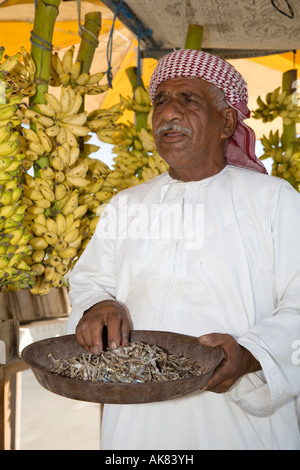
(240, 275)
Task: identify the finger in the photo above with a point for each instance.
(96, 335)
(212, 339)
(90, 337)
(114, 330)
(125, 331)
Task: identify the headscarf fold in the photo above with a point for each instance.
(240, 148)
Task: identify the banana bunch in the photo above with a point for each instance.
(286, 158)
(140, 102)
(65, 72)
(103, 122)
(14, 236)
(21, 74)
(58, 128)
(278, 103)
(137, 159)
(61, 199)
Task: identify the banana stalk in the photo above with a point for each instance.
(194, 37)
(44, 22)
(88, 45)
(43, 27)
(289, 130)
(140, 117)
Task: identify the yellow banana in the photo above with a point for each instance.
(5, 162)
(51, 225)
(50, 237)
(71, 139)
(57, 63)
(74, 155)
(79, 170)
(38, 229)
(43, 203)
(44, 139)
(10, 63)
(95, 78)
(38, 268)
(38, 243)
(29, 63)
(77, 181)
(78, 119)
(45, 109)
(54, 260)
(53, 102)
(49, 274)
(53, 131)
(75, 70)
(77, 130)
(77, 102)
(67, 59)
(9, 148)
(71, 203)
(61, 268)
(37, 148)
(65, 100)
(83, 78)
(47, 193)
(5, 132)
(65, 78)
(69, 252)
(46, 121)
(30, 135)
(60, 223)
(38, 256)
(64, 154)
(56, 162)
(70, 236)
(80, 211)
(60, 191)
(62, 135)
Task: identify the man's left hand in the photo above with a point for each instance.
(237, 362)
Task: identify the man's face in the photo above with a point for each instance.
(198, 140)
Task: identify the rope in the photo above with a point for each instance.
(140, 32)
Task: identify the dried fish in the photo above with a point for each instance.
(136, 363)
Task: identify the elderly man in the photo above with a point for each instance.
(210, 249)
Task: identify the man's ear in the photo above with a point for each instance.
(230, 122)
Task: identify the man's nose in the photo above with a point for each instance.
(172, 110)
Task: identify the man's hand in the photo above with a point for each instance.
(237, 362)
(109, 314)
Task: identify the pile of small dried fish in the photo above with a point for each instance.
(136, 363)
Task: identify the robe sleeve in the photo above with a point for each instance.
(92, 280)
(275, 341)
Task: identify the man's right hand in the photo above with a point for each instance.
(110, 314)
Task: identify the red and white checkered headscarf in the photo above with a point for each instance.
(240, 149)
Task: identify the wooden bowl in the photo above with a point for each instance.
(36, 356)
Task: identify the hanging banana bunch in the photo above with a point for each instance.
(65, 72)
(277, 104)
(62, 206)
(285, 155)
(137, 159)
(14, 236)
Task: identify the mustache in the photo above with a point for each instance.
(171, 126)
